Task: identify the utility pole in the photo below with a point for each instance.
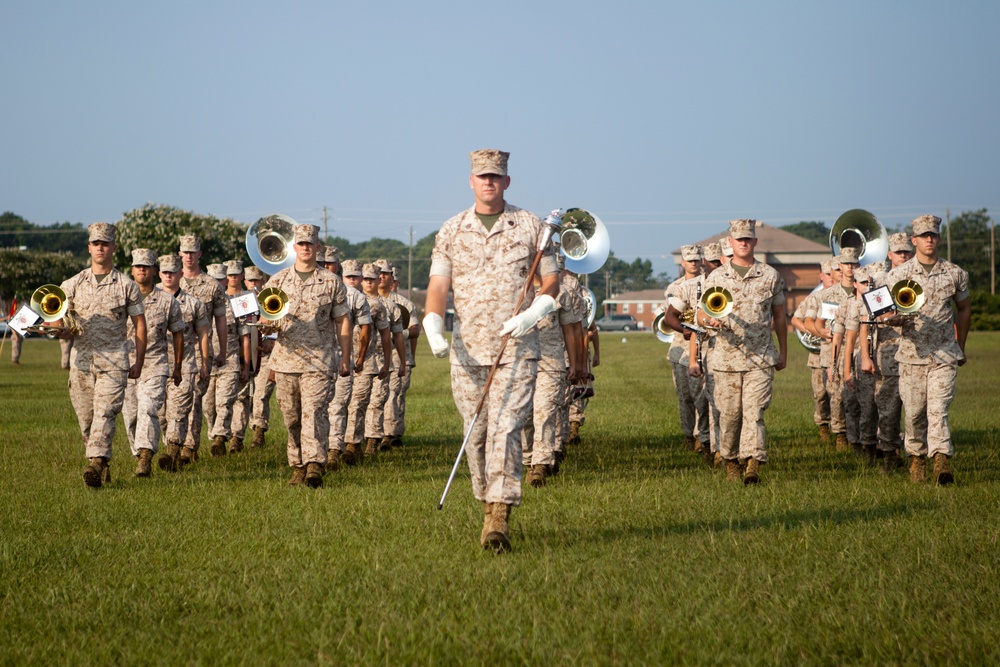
(993, 261)
(409, 268)
(326, 233)
(947, 230)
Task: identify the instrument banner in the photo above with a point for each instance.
(879, 301)
(244, 304)
(24, 318)
(828, 310)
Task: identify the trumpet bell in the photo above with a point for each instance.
(273, 303)
(270, 243)
(584, 241)
(716, 302)
(664, 333)
(50, 302)
(908, 295)
(861, 230)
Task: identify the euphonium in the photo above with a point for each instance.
(716, 302)
(908, 296)
(273, 303)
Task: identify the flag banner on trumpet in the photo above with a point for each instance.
(244, 304)
(879, 302)
(828, 311)
(24, 318)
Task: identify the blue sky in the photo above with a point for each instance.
(666, 119)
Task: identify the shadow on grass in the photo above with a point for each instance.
(790, 520)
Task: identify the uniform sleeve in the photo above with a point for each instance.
(379, 316)
(218, 301)
(340, 307)
(779, 291)
(852, 319)
(962, 285)
(395, 324)
(200, 314)
(568, 311)
(441, 255)
(133, 298)
(364, 313)
(175, 321)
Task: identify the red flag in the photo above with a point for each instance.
(13, 308)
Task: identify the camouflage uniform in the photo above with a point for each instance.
(374, 358)
(395, 409)
(65, 347)
(375, 419)
(360, 314)
(99, 361)
(861, 399)
(225, 385)
(835, 294)
(887, 399)
(684, 294)
(821, 398)
(181, 398)
(15, 347)
(487, 272)
(206, 289)
(145, 396)
(743, 357)
(544, 433)
(928, 355)
(302, 359)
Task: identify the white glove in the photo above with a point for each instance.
(434, 331)
(521, 324)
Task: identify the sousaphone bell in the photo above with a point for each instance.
(270, 243)
(584, 241)
(861, 230)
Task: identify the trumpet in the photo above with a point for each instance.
(273, 304)
(908, 296)
(716, 302)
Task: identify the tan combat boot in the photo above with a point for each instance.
(942, 471)
(333, 460)
(891, 462)
(689, 442)
(498, 538)
(144, 466)
(574, 433)
(314, 475)
(298, 476)
(93, 474)
(842, 444)
(351, 455)
(235, 445)
(219, 445)
(258, 437)
(824, 434)
(188, 455)
(752, 473)
(386, 444)
(537, 475)
(371, 446)
(487, 523)
(718, 462)
(168, 460)
(733, 470)
(918, 467)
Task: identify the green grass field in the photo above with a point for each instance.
(634, 554)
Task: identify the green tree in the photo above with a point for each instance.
(970, 246)
(24, 271)
(814, 230)
(159, 227)
(16, 232)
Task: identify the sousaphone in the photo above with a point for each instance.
(861, 230)
(270, 243)
(584, 241)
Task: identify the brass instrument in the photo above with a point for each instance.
(716, 302)
(908, 295)
(664, 333)
(810, 341)
(584, 240)
(860, 229)
(273, 303)
(270, 243)
(51, 304)
(590, 307)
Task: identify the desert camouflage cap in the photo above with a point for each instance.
(331, 254)
(253, 273)
(170, 263)
(727, 247)
(369, 271)
(690, 253)
(745, 228)
(190, 244)
(217, 271)
(834, 264)
(825, 266)
(861, 274)
(713, 252)
(306, 233)
(102, 231)
(489, 161)
(925, 224)
(234, 267)
(143, 257)
(350, 267)
(900, 242)
(384, 265)
(848, 256)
